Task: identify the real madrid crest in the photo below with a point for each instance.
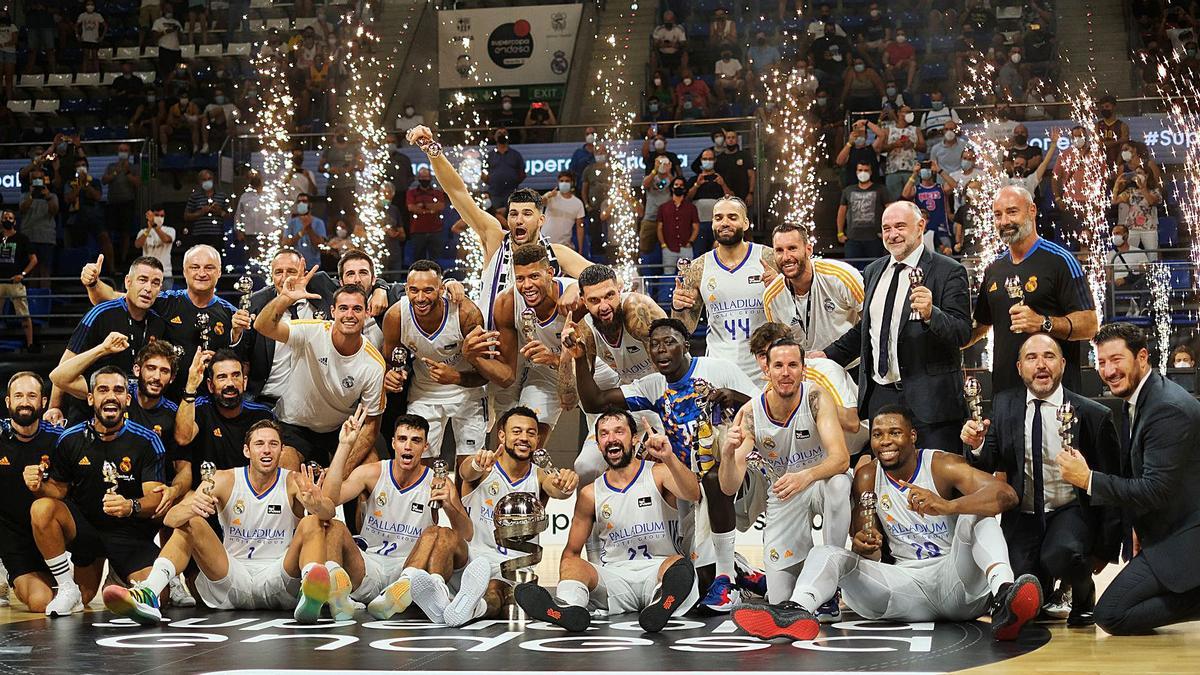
(769, 443)
(1031, 285)
(774, 555)
(126, 465)
(347, 382)
(886, 502)
(381, 500)
(493, 489)
(239, 507)
(606, 511)
(712, 283)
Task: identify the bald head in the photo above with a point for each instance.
(903, 225)
(1015, 215)
(1040, 342)
(1040, 364)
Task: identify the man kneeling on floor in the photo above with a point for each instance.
(633, 506)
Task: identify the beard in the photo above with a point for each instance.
(26, 415)
(1023, 231)
(735, 238)
(621, 462)
(229, 398)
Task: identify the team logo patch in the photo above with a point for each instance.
(217, 433)
(417, 507)
(347, 382)
(632, 349)
(239, 507)
(274, 509)
(788, 553)
(470, 442)
(381, 500)
(886, 502)
(85, 462)
(606, 512)
(774, 555)
(828, 305)
(176, 320)
(126, 465)
(712, 283)
(219, 328)
(644, 502)
(769, 443)
(493, 489)
(754, 279)
(323, 361)
(802, 434)
(158, 430)
(1031, 285)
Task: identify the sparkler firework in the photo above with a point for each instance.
(622, 222)
(273, 121)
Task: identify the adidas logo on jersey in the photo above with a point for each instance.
(274, 509)
(176, 320)
(4, 461)
(323, 361)
(643, 502)
(85, 462)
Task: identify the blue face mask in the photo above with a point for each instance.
(564, 186)
(707, 164)
(302, 208)
(926, 174)
(207, 185)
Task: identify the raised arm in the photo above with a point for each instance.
(738, 443)
(270, 320)
(69, 374)
(490, 230)
(982, 494)
(185, 416)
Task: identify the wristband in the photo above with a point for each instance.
(475, 465)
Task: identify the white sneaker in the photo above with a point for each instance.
(464, 608)
(1058, 606)
(431, 595)
(67, 601)
(3, 586)
(180, 595)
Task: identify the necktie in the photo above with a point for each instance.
(1127, 429)
(1035, 444)
(292, 311)
(885, 328)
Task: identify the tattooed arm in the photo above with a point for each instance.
(770, 267)
(829, 429)
(686, 301)
(486, 370)
(640, 312)
(568, 393)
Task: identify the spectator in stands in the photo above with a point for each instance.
(655, 146)
(128, 89)
(540, 114)
(1019, 146)
(736, 166)
(670, 44)
(762, 55)
(1135, 156)
(825, 24)
(214, 124)
(948, 151)
(1129, 262)
(1111, 131)
(400, 167)
(166, 30)
(564, 214)
(17, 261)
(722, 31)
(1137, 195)
(657, 188)
(892, 96)
(506, 170)
(156, 240)
(197, 20)
(148, 13)
(860, 217)
(902, 142)
(730, 80)
(661, 92)
(300, 180)
(317, 83)
(875, 34)
(593, 189)
(829, 118)
(900, 59)
(707, 187)
(934, 120)
(425, 204)
(183, 115)
(508, 114)
(966, 182)
(180, 82)
(9, 35)
(1183, 357)
(90, 29)
(862, 87)
(583, 156)
(408, 119)
(306, 233)
(1010, 77)
(205, 213)
(698, 88)
(1070, 179)
(250, 222)
(339, 162)
(1038, 48)
(858, 151)
(678, 226)
(39, 209)
(40, 33)
(980, 20)
(123, 178)
(827, 53)
(923, 188)
(82, 195)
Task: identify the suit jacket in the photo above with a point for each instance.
(1158, 479)
(1095, 436)
(928, 351)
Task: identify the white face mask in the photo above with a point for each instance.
(1078, 141)
(159, 220)
(1016, 58)
(949, 136)
(410, 111)
(206, 185)
(663, 168)
(967, 165)
(660, 145)
(687, 81)
(564, 186)
(1126, 155)
(590, 138)
(600, 159)
(864, 176)
(909, 117)
(486, 204)
(901, 39)
(1183, 364)
(506, 105)
(302, 208)
(1118, 240)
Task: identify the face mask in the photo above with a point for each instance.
(660, 145)
(891, 91)
(590, 138)
(1118, 240)
(183, 103)
(658, 81)
(506, 106)
(687, 81)
(564, 186)
(937, 105)
(425, 182)
(342, 233)
(726, 57)
(38, 182)
(668, 24)
(502, 139)
(909, 117)
(219, 100)
(1019, 140)
(122, 156)
(81, 171)
(486, 204)
(718, 141)
(1183, 364)
(207, 185)
(707, 164)
(302, 208)
(967, 165)
(762, 41)
(687, 105)
(663, 168)
(1126, 155)
(653, 107)
(901, 39)
(858, 67)
(863, 176)
(837, 57)
(151, 99)
(821, 100)
(159, 220)
(874, 14)
(949, 136)
(1078, 141)
(220, 73)
(1106, 113)
(679, 191)
(91, 8)
(859, 141)
(1016, 58)
(926, 174)
(600, 159)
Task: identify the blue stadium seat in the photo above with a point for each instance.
(853, 24)
(1168, 232)
(1181, 275)
(931, 72)
(942, 44)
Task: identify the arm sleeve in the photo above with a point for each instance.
(983, 309)
(373, 396)
(299, 334)
(152, 469)
(60, 462)
(1072, 292)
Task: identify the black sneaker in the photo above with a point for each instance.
(538, 604)
(677, 584)
(1014, 605)
(787, 619)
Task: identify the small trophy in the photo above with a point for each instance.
(109, 471)
(1066, 420)
(639, 448)
(202, 324)
(528, 322)
(866, 504)
(755, 460)
(440, 473)
(681, 268)
(974, 394)
(244, 285)
(704, 441)
(541, 458)
(208, 477)
(916, 276)
(319, 314)
(1015, 289)
(400, 357)
(428, 146)
(44, 466)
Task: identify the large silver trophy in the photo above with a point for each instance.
(244, 285)
(1015, 289)
(519, 517)
(866, 505)
(974, 394)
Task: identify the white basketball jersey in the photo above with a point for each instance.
(549, 333)
(257, 526)
(789, 444)
(497, 276)
(444, 345)
(733, 298)
(396, 517)
(912, 537)
(636, 523)
(481, 502)
(628, 357)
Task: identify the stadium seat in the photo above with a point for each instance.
(87, 80)
(238, 49)
(932, 72)
(22, 106)
(1181, 275)
(35, 80)
(1168, 232)
(124, 53)
(59, 80)
(187, 51)
(45, 105)
(209, 51)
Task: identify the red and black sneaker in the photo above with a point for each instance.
(539, 605)
(1014, 605)
(676, 586)
(787, 619)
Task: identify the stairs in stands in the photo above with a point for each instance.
(631, 22)
(408, 30)
(1100, 41)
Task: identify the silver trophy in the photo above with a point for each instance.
(681, 268)
(704, 441)
(528, 323)
(916, 277)
(244, 285)
(427, 145)
(1015, 289)
(974, 394)
(208, 477)
(109, 471)
(400, 357)
(541, 459)
(639, 448)
(755, 460)
(519, 517)
(866, 505)
(319, 314)
(440, 474)
(1066, 420)
(202, 324)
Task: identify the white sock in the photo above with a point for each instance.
(998, 575)
(990, 552)
(409, 573)
(331, 566)
(438, 579)
(304, 571)
(62, 569)
(161, 574)
(480, 609)
(724, 543)
(573, 593)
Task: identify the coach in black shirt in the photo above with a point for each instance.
(1055, 297)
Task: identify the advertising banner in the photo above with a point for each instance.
(506, 46)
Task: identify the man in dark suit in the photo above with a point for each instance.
(1056, 532)
(1156, 486)
(909, 336)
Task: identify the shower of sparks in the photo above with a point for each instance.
(790, 94)
(1095, 199)
(272, 123)
(611, 85)
(1160, 311)
(363, 113)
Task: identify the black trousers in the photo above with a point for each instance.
(937, 435)
(1061, 551)
(1137, 602)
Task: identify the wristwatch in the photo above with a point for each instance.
(1047, 324)
(135, 507)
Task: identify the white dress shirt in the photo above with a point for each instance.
(1057, 492)
(900, 313)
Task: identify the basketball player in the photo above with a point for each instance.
(671, 393)
(633, 508)
(270, 550)
(447, 384)
(487, 478)
(819, 299)
(25, 441)
(727, 282)
(794, 428)
(534, 337)
(952, 561)
(525, 218)
(99, 495)
(408, 555)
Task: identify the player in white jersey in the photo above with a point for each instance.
(793, 427)
(819, 299)
(632, 508)
(408, 555)
(530, 324)
(271, 550)
(951, 559)
(487, 478)
(447, 383)
(727, 283)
